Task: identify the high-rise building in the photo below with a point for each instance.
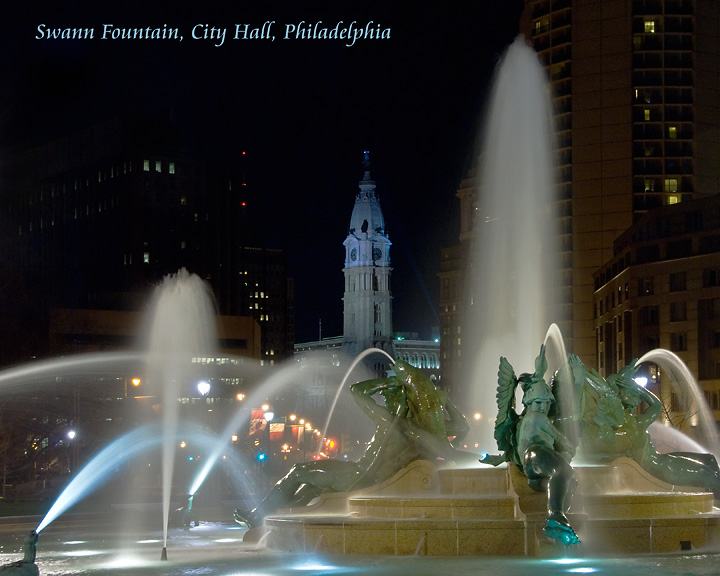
(635, 88)
(661, 289)
(636, 95)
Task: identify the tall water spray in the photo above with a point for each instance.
(514, 268)
(182, 333)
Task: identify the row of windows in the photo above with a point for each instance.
(650, 315)
(57, 189)
(367, 281)
(157, 166)
(677, 282)
(422, 360)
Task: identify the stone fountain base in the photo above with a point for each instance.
(424, 510)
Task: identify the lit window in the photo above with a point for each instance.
(146, 257)
(649, 185)
(171, 167)
(647, 114)
(146, 165)
(671, 185)
(649, 26)
(673, 199)
(158, 166)
(672, 132)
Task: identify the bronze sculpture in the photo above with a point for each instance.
(414, 422)
(612, 426)
(533, 441)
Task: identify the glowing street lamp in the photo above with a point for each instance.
(203, 388)
(268, 415)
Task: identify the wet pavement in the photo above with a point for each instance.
(98, 546)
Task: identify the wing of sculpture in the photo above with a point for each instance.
(602, 404)
(507, 418)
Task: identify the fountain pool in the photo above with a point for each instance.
(91, 546)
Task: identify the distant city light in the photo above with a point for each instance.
(641, 381)
(204, 388)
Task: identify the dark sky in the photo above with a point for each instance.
(304, 110)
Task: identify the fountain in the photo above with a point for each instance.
(431, 501)
(504, 511)
(182, 329)
(512, 300)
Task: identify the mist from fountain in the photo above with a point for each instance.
(359, 358)
(94, 363)
(514, 281)
(284, 376)
(182, 333)
(104, 466)
(686, 386)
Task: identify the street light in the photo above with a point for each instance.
(268, 415)
(203, 388)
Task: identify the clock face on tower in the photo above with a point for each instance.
(353, 254)
(376, 253)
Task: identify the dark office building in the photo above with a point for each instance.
(94, 219)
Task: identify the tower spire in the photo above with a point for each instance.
(367, 299)
(366, 161)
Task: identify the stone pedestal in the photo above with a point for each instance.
(424, 510)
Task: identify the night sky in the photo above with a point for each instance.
(304, 110)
